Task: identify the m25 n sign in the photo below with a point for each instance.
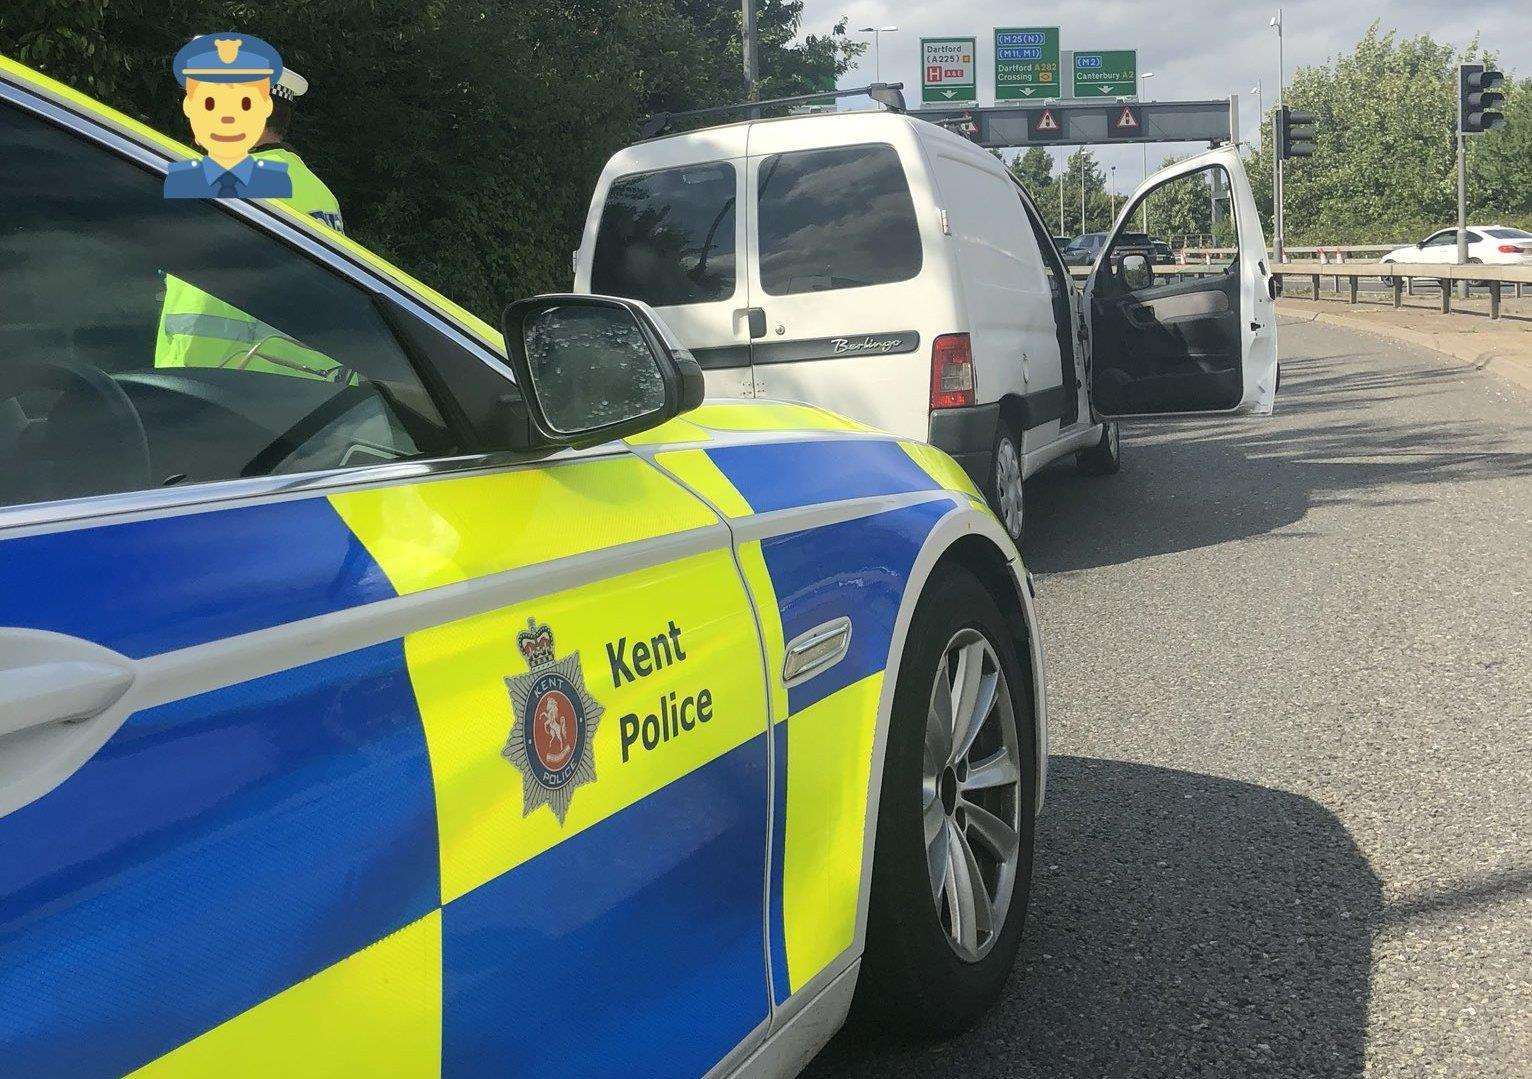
(947, 69)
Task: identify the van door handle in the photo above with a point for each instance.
(72, 689)
(755, 318)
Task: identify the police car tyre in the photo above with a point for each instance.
(954, 824)
(1007, 491)
(1105, 457)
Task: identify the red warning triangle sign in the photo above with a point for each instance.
(1127, 119)
(1047, 121)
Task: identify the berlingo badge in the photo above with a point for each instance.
(553, 731)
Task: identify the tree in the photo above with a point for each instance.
(1384, 163)
(462, 137)
(1081, 166)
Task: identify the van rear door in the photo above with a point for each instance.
(837, 266)
(1169, 345)
(667, 226)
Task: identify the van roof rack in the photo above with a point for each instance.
(888, 94)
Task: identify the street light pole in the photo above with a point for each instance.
(877, 33)
(1145, 222)
(1063, 172)
(1279, 217)
(752, 69)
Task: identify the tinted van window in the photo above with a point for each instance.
(837, 218)
(667, 237)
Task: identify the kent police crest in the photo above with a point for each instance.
(554, 729)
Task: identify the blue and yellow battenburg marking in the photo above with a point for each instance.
(337, 868)
(825, 728)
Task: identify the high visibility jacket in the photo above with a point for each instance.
(197, 329)
(309, 192)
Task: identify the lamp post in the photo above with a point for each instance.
(1111, 186)
(1146, 75)
(877, 33)
(750, 50)
(1279, 223)
(1260, 108)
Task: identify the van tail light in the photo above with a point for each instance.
(951, 371)
(1509, 249)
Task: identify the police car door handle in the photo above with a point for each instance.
(71, 689)
(816, 650)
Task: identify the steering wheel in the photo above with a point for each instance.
(91, 441)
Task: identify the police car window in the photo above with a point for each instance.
(149, 342)
(667, 237)
(835, 218)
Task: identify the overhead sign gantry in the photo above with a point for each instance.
(1080, 123)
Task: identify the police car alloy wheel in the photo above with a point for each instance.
(953, 861)
(1105, 457)
(1007, 489)
(969, 788)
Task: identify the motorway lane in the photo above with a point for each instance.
(1288, 816)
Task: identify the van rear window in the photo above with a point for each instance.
(836, 218)
(667, 237)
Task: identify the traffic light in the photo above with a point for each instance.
(1479, 99)
(1295, 132)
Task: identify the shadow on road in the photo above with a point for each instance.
(1180, 924)
(1196, 483)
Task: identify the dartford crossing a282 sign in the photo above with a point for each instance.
(1026, 62)
(947, 69)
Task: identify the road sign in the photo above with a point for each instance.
(947, 71)
(1106, 73)
(1026, 63)
(1124, 122)
(1044, 124)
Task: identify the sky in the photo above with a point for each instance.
(1198, 49)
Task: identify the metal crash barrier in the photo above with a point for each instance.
(1398, 275)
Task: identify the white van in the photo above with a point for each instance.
(886, 268)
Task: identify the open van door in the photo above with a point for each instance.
(1178, 344)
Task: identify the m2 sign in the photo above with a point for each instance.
(947, 69)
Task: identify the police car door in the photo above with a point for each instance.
(1165, 345)
(330, 741)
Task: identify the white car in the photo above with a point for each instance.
(1495, 245)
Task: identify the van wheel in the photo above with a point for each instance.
(1006, 490)
(952, 862)
(1105, 457)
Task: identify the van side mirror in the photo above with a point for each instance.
(1133, 269)
(596, 368)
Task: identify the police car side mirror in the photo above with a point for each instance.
(596, 368)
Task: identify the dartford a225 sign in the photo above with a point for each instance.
(947, 71)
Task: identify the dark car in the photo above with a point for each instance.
(1163, 255)
(1084, 249)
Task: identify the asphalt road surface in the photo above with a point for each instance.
(1291, 791)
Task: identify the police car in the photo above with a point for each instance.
(384, 694)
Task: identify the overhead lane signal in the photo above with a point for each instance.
(1295, 132)
(1480, 99)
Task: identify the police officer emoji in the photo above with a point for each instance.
(228, 80)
